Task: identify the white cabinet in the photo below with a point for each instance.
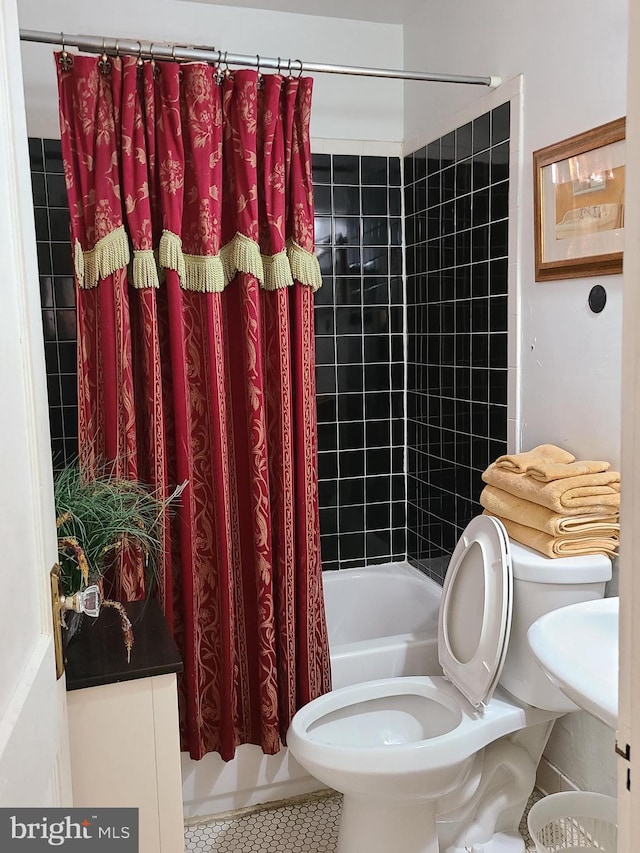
(124, 735)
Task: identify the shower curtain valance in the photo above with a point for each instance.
(172, 167)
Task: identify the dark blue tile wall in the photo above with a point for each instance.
(57, 295)
(359, 345)
(456, 199)
(456, 205)
(360, 359)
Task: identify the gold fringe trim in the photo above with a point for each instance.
(242, 255)
(110, 253)
(170, 254)
(204, 273)
(212, 273)
(304, 266)
(277, 271)
(145, 269)
(162, 272)
(78, 262)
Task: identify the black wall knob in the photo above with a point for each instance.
(597, 298)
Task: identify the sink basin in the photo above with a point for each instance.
(577, 647)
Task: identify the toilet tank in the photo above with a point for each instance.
(541, 584)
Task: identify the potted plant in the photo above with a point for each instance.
(101, 519)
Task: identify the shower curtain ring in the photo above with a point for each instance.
(289, 67)
(140, 60)
(65, 59)
(299, 61)
(174, 58)
(104, 65)
(226, 72)
(155, 69)
(118, 48)
(260, 76)
(278, 65)
(218, 76)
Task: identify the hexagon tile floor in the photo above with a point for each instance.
(307, 826)
(300, 826)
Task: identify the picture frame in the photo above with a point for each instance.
(578, 200)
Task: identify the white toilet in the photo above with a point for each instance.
(430, 763)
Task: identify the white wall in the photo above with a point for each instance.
(350, 108)
(573, 56)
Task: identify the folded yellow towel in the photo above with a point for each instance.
(546, 470)
(585, 491)
(520, 463)
(548, 462)
(559, 546)
(601, 521)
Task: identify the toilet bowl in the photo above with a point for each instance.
(409, 738)
(410, 752)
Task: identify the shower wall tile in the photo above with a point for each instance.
(456, 203)
(360, 359)
(57, 295)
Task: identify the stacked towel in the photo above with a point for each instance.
(553, 503)
(566, 495)
(546, 463)
(520, 463)
(599, 520)
(568, 545)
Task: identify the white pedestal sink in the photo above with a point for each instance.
(577, 647)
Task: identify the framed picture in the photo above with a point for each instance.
(578, 198)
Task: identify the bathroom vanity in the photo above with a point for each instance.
(123, 722)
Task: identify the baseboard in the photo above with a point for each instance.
(212, 807)
(234, 814)
(550, 780)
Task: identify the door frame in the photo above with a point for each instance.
(34, 740)
(629, 672)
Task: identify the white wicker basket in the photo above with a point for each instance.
(574, 821)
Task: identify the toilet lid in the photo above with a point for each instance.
(475, 610)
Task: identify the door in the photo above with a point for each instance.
(34, 760)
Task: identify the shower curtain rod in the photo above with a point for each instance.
(195, 53)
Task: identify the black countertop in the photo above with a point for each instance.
(97, 654)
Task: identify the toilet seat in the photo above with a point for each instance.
(474, 621)
(468, 732)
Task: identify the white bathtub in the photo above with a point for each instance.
(382, 621)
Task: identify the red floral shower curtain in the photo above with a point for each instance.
(192, 230)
